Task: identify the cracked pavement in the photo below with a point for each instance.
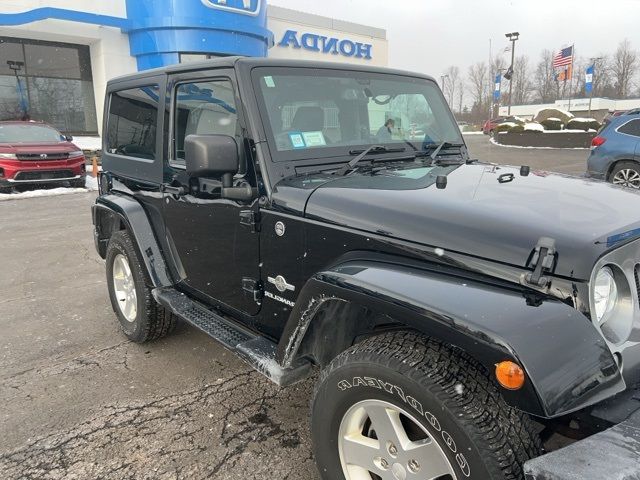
(81, 402)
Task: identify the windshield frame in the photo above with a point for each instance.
(314, 156)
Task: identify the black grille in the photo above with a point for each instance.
(637, 275)
(38, 175)
(42, 157)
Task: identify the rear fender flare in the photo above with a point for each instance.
(132, 216)
(567, 363)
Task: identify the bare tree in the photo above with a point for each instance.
(624, 66)
(521, 80)
(460, 95)
(451, 83)
(545, 85)
(477, 78)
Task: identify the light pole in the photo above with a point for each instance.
(513, 37)
(16, 67)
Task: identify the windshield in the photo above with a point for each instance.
(315, 112)
(29, 133)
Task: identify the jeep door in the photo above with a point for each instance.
(214, 245)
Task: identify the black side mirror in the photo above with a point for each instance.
(216, 156)
(68, 138)
(212, 156)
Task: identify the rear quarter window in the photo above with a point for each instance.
(631, 128)
(132, 122)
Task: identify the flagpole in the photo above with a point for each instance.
(573, 56)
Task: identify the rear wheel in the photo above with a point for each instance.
(626, 174)
(140, 316)
(400, 406)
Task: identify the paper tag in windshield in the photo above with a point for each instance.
(314, 139)
(269, 81)
(297, 140)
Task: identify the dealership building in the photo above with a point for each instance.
(56, 56)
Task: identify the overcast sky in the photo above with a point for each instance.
(429, 35)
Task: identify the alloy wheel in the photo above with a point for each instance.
(125, 288)
(378, 440)
(628, 178)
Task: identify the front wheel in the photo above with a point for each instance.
(400, 406)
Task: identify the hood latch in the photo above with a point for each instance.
(543, 260)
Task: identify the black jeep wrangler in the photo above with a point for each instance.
(314, 215)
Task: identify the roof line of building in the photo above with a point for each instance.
(314, 20)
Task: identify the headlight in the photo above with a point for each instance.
(77, 153)
(605, 293)
(9, 156)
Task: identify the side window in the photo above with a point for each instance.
(133, 121)
(631, 128)
(203, 108)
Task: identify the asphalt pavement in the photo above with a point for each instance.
(81, 402)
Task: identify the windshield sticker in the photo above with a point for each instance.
(314, 139)
(269, 81)
(297, 141)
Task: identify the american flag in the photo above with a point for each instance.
(563, 58)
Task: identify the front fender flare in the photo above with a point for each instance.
(568, 364)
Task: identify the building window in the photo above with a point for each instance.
(132, 122)
(49, 82)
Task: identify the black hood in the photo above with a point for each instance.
(476, 214)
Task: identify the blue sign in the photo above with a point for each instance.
(326, 45)
(160, 30)
(496, 90)
(588, 79)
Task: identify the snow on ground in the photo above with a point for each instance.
(88, 143)
(472, 133)
(493, 141)
(92, 185)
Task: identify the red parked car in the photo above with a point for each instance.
(35, 153)
(489, 125)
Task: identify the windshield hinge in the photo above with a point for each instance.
(250, 218)
(542, 260)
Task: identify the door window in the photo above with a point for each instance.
(133, 121)
(203, 108)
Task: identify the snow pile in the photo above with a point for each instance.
(505, 127)
(577, 119)
(88, 143)
(557, 113)
(92, 185)
(533, 127)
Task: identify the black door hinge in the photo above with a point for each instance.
(253, 287)
(542, 260)
(250, 218)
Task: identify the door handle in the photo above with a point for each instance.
(177, 191)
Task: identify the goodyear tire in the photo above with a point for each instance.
(403, 406)
(140, 317)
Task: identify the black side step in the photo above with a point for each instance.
(257, 351)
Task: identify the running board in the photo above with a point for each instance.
(257, 351)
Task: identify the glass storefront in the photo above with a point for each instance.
(47, 81)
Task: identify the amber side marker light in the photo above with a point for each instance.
(510, 375)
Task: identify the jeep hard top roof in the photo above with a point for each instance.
(251, 62)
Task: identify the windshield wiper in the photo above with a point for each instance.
(372, 149)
